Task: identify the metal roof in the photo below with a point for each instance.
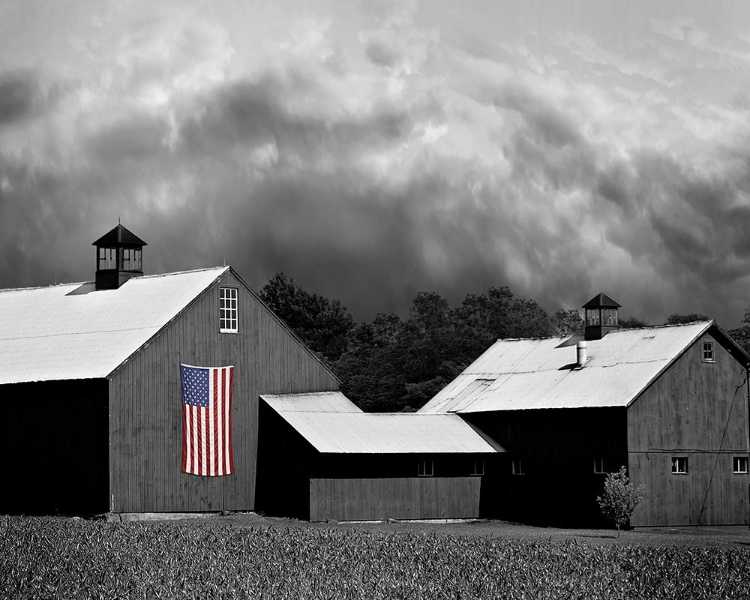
(119, 236)
(72, 332)
(350, 431)
(541, 373)
(601, 301)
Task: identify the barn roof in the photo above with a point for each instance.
(332, 424)
(73, 332)
(541, 373)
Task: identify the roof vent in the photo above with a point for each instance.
(581, 353)
(118, 258)
(601, 316)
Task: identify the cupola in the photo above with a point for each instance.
(119, 256)
(601, 316)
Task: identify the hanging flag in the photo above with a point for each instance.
(207, 420)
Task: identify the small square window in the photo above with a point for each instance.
(517, 467)
(708, 352)
(228, 310)
(679, 464)
(425, 468)
(478, 467)
(739, 464)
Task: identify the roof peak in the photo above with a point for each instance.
(601, 300)
(119, 236)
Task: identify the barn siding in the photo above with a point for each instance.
(362, 499)
(698, 410)
(145, 403)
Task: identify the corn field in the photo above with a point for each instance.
(71, 558)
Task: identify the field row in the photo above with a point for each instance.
(66, 558)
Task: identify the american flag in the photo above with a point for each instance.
(207, 420)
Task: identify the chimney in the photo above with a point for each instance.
(601, 316)
(119, 256)
(581, 353)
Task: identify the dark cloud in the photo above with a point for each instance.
(19, 95)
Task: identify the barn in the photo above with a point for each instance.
(339, 463)
(90, 376)
(669, 403)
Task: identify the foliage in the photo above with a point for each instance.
(323, 324)
(64, 558)
(741, 334)
(567, 322)
(678, 319)
(632, 323)
(620, 498)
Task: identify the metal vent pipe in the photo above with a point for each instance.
(581, 352)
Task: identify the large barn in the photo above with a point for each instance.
(669, 403)
(90, 377)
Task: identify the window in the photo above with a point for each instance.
(107, 258)
(228, 310)
(679, 464)
(599, 465)
(708, 352)
(478, 467)
(131, 259)
(517, 467)
(592, 316)
(739, 464)
(425, 468)
(609, 317)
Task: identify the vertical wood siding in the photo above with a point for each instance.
(145, 404)
(363, 499)
(697, 410)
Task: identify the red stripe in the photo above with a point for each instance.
(199, 428)
(184, 438)
(229, 409)
(215, 448)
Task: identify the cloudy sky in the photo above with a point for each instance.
(371, 150)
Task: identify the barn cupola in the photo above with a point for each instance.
(601, 316)
(118, 258)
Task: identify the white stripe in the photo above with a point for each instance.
(194, 417)
(188, 436)
(219, 429)
(225, 417)
(210, 424)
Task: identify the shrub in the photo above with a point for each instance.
(620, 498)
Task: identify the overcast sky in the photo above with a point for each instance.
(373, 150)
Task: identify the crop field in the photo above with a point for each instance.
(74, 558)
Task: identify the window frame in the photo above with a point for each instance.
(422, 470)
(740, 465)
(516, 466)
(228, 315)
(708, 351)
(677, 461)
(599, 462)
(478, 467)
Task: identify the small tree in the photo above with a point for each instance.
(620, 498)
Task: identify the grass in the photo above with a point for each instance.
(74, 558)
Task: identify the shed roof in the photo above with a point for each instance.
(73, 332)
(341, 430)
(542, 373)
(119, 236)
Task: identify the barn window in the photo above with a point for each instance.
(708, 352)
(592, 316)
(679, 464)
(478, 467)
(517, 467)
(425, 468)
(227, 310)
(599, 465)
(739, 464)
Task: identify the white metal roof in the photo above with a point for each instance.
(349, 431)
(72, 332)
(539, 373)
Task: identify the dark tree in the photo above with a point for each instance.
(678, 319)
(741, 334)
(322, 324)
(632, 323)
(567, 322)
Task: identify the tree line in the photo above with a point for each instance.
(395, 364)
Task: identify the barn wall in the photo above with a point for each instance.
(359, 499)
(698, 410)
(146, 425)
(54, 439)
(557, 449)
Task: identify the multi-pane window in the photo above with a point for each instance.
(227, 310)
(708, 352)
(739, 464)
(107, 258)
(609, 317)
(131, 259)
(478, 467)
(679, 464)
(425, 468)
(592, 316)
(516, 466)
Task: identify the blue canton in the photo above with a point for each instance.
(194, 386)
